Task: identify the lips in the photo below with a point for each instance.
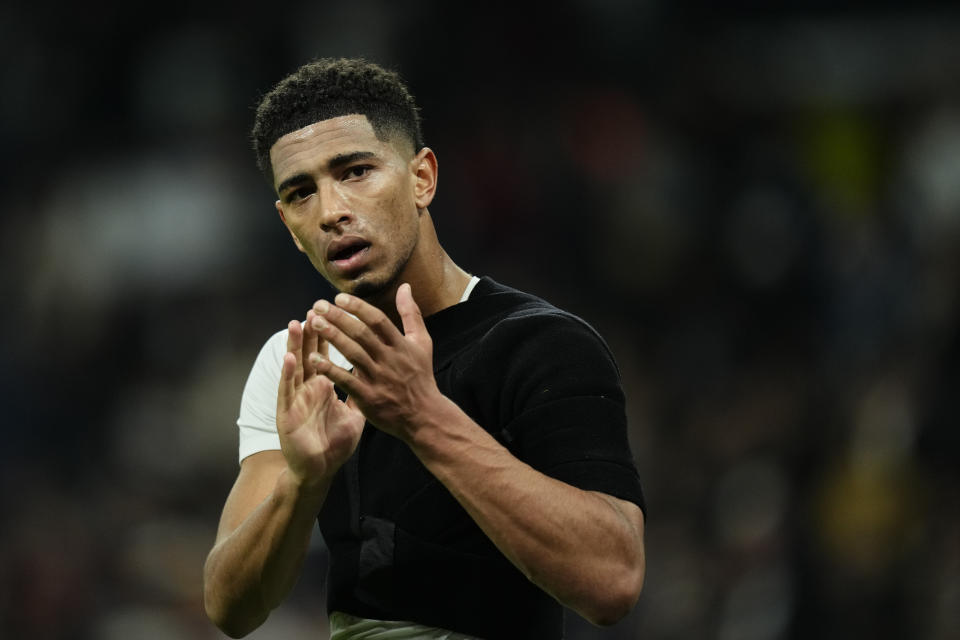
(349, 253)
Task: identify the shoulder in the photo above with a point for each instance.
(533, 324)
(535, 351)
(270, 357)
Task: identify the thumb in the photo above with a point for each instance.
(410, 315)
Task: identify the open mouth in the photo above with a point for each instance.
(349, 254)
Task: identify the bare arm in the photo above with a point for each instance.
(583, 548)
(270, 513)
(261, 543)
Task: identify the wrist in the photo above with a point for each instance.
(439, 420)
(308, 492)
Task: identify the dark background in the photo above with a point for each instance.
(758, 207)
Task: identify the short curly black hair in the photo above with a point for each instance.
(332, 87)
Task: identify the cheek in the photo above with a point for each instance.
(391, 208)
(404, 207)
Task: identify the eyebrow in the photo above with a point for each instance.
(333, 164)
(291, 181)
(342, 159)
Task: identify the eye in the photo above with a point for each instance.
(299, 193)
(357, 171)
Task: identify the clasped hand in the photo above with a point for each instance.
(391, 382)
(392, 379)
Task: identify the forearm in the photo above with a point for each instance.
(251, 569)
(578, 546)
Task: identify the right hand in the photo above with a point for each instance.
(318, 432)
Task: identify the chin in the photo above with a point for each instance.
(374, 284)
(370, 289)
(367, 289)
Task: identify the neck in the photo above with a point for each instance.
(435, 279)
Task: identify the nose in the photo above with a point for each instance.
(334, 209)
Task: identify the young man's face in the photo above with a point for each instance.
(350, 201)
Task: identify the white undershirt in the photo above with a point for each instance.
(470, 285)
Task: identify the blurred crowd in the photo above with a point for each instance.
(759, 209)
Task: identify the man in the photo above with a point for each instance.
(462, 444)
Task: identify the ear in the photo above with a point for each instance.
(424, 170)
(296, 240)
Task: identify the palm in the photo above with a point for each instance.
(318, 431)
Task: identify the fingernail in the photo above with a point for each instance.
(319, 323)
(322, 306)
(342, 300)
(316, 358)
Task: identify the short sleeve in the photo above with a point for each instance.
(258, 405)
(566, 404)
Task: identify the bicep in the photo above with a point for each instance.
(255, 481)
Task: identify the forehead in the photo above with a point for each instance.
(320, 141)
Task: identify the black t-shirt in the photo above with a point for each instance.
(545, 385)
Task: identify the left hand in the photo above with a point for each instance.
(392, 381)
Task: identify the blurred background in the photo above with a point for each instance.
(758, 207)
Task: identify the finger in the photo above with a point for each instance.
(323, 389)
(410, 315)
(310, 340)
(369, 316)
(346, 380)
(323, 347)
(287, 390)
(295, 346)
(363, 352)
